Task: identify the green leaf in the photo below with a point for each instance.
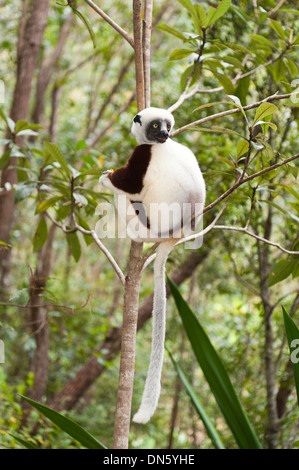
(56, 155)
(27, 132)
(242, 147)
(169, 29)
(216, 375)
(47, 203)
(4, 159)
(237, 47)
(178, 54)
(81, 145)
(268, 124)
(226, 82)
(201, 14)
(20, 297)
(262, 41)
(242, 88)
(279, 70)
(87, 24)
(280, 271)
(186, 74)
(3, 115)
(292, 333)
(237, 103)
(21, 125)
(227, 161)
(22, 441)
(24, 190)
(67, 425)
(210, 428)
(215, 13)
(208, 105)
(190, 7)
(292, 67)
(265, 109)
(278, 29)
(5, 244)
(88, 238)
(11, 124)
(40, 235)
(74, 245)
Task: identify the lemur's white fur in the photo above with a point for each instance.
(172, 177)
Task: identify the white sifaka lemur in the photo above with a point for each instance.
(164, 189)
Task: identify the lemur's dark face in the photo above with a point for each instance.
(158, 130)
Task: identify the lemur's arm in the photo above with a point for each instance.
(129, 179)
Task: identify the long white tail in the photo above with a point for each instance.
(152, 387)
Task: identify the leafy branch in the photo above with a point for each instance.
(228, 112)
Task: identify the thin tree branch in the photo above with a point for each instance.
(276, 8)
(98, 242)
(114, 89)
(269, 99)
(114, 117)
(227, 193)
(197, 63)
(257, 237)
(112, 23)
(102, 247)
(139, 71)
(184, 96)
(249, 178)
(147, 32)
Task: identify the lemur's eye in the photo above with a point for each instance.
(168, 127)
(155, 126)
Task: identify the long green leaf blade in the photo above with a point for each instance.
(292, 333)
(67, 425)
(216, 376)
(210, 428)
(24, 443)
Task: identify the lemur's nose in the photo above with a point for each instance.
(164, 133)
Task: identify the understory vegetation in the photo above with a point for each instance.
(68, 92)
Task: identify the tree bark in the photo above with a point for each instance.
(147, 26)
(29, 42)
(128, 347)
(92, 369)
(39, 319)
(139, 69)
(133, 279)
(264, 269)
(39, 323)
(46, 70)
(285, 389)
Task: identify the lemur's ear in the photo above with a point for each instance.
(137, 118)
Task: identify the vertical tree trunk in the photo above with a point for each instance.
(133, 278)
(46, 70)
(39, 322)
(147, 25)
(39, 319)
(29, 42)
(264, 269)
(128, 344)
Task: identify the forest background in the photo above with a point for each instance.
(70, 86)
